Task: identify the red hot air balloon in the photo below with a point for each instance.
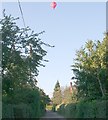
(53, 5)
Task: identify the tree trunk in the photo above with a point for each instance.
(100, 85)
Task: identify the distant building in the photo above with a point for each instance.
(72, 88)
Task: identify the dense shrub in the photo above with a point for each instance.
(61, 109)
(22, 110)
(73, 110)
(90, 109)
(80, 110)
(84, 109)
(101, 109)
(54, 108)
(18, 111)
(68, 110)
(25, 103)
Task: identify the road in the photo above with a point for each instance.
(52, 115)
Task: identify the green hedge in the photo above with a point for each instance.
(61, 109)
(82, 109)
(21, 111)
(18, 111)
(24, 104)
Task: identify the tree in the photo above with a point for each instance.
(22, 54)
(69, 96)
(57, 95)
(90, 70)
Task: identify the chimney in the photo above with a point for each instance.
(70, 87)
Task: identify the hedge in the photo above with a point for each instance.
(25, 103)
(20, 111)
(82, 109)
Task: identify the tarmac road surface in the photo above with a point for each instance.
(52, 116)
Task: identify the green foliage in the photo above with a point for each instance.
(90, 70)
(19, 111)
(61, 109)
(82, 109)
(68, 110)
(22, 54)
(103, 106)
(69, 96)
(30, 97)
(54, 108)
(57, 95)
(57, 86)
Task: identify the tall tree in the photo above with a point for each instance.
(22, 54)
(90, 70)
(67, 95)
(57, 95)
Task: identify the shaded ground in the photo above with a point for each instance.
(52, 115)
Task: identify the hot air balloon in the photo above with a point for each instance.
(53, 5)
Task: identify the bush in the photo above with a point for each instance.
(85, 109)
(61, 109)
(90, 110)
(101, 109)
(25, 103)
(80, 109)
(73, 110)
(16, 111)
(54, 108)
(68, 110)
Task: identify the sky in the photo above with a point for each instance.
(67, 27)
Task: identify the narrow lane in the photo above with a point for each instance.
(52, 115)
